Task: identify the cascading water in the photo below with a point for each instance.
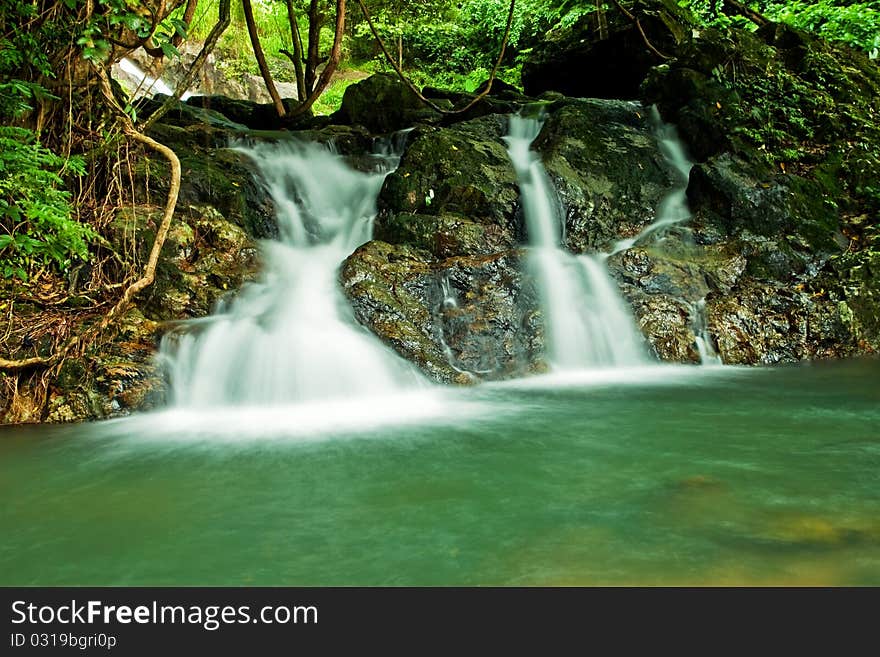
(587, 323)
(145, 84)
(291, 336)
(673, 210)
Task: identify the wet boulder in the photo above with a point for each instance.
(460, 319)
(454, 193)
(606, 167)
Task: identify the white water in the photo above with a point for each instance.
(146, 85)
(586, 321)
(291, 337)
(674, 207)
(705, 347)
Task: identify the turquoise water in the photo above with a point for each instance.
(666, 476)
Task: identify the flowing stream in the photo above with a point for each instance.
(586, 321)
(144, 84)
(291, 336)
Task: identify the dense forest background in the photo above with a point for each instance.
(70, 136)
(56, 134)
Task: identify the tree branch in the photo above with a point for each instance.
(638, 25)
(261, 57)
(171, 203)
(188, 14)
(184, 84)
(297, 56)
(415, 90)
(330, 68)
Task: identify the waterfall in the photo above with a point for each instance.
(291, 336)
(708, 355)
(674, 209)
(586, 321)
(145, 84)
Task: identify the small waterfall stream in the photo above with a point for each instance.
(587, 323)
(291, 336)
(146, 85)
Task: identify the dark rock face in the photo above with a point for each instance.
(454, 193)
(382, 104)
(460, 319)
(256, 116)
(210, 175)
(607, 60)
(604, 162)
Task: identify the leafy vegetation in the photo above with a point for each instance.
(855, 23)
(442, 43)
(37, 224)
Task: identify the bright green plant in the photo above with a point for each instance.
(854, 23)
(36, 227)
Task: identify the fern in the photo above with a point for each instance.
(36, 227)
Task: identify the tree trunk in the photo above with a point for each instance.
(261, 58)
(297, 57)
(188, 14)
(313, 56)
(332, 62)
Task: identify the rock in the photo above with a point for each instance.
(459, 319)
(454, 193)
(760, 323)
(205, 258)
(214, 78)
(741, 201)
(256, 116)
(578, 61)
(220, 177)
(383, 104)
(111, 380)
(188, 114)
(603, 159)
(777, 98)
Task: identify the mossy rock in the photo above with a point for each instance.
(458, 175)
(460, 319)
(383, 104)
(604, 161)
(607, 60)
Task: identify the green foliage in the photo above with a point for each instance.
(35, 214)
(854, 23)
(36, 227)
(455, 44)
